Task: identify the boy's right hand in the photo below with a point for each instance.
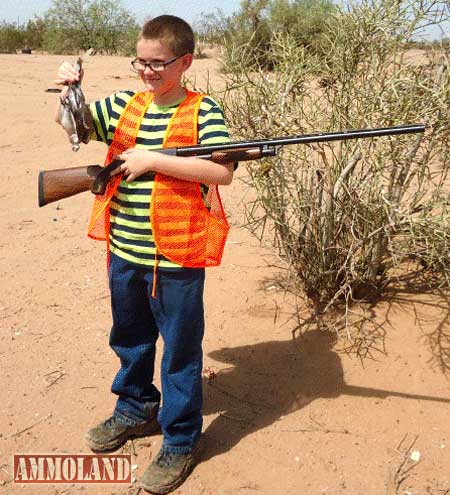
(68, 75)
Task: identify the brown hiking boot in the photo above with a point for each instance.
(168, 471)
(111, 434)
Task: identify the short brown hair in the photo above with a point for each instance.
(176, 32)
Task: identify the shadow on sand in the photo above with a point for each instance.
(269, 380)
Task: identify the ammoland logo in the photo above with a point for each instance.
(65, 468)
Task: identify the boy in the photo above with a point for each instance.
(161, 232)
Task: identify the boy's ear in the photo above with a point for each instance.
(187, 61)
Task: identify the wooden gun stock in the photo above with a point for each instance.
(65, 182)
(54, 185)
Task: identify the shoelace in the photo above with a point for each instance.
(111, 422)
(164, 459)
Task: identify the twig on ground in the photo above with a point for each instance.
(133, 447)
(404, 468)
(11, 314)
(344, 431)
(53, 377)
(238, 399)
(18, 433)
(275, 316)
(105, 296)
(235, 418)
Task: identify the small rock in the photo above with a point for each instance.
(415, 455)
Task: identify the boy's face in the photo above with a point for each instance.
(163, 81)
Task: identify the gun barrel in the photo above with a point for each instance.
(304, 139)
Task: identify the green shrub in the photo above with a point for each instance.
(34, 33)
(58, 41)
(11, 38)
(251, 33)
(82, 24)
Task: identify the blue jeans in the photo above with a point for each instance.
(138, 319)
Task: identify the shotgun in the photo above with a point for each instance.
(58, 184)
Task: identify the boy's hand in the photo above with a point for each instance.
(68, 75)
(137, 162)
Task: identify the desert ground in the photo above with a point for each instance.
(282, 415)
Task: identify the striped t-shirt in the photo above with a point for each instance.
(131, 236)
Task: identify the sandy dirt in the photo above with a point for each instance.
(282, 415)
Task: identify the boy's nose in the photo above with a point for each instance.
(148, 69)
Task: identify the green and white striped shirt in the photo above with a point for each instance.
(131, 236)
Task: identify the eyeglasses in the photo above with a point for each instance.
(156, 66)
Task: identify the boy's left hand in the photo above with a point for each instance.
(137, 162)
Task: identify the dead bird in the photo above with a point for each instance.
(74, 114)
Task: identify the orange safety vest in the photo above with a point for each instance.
(185, 230)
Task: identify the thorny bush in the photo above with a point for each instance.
(350, 217)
